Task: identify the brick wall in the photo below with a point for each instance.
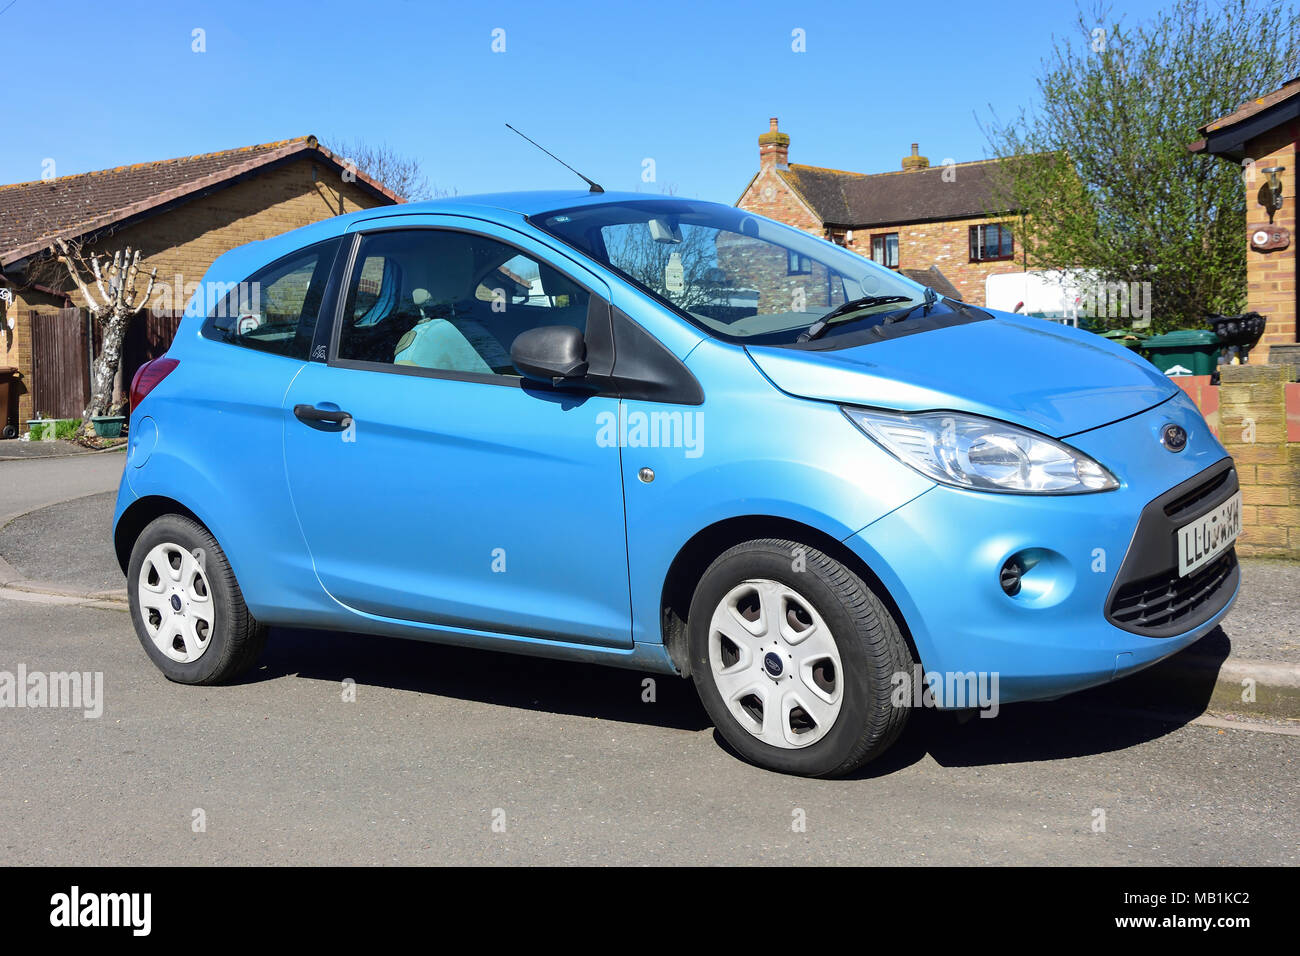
(1253, 407)
(1271, 276)
(766, 269)
(770, 195)
(185, 240)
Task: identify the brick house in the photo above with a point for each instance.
(921, 220)
(1263, 135)
(181, 213)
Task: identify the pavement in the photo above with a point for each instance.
(20, 450)
(453, 756)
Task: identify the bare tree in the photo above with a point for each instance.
(402, 174)
(651, 262)
(119, 299)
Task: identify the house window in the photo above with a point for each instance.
(884, 249)
(991, 243)
(797, 264)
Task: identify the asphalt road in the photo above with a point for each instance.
(440, 743)
(69, 544)
(39, 482)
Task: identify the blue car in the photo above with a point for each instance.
(673, 436)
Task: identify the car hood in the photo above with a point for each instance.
(1054, 379)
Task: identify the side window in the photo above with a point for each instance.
(276, 308)
(449, 301)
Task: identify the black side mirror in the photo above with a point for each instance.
(550, 353)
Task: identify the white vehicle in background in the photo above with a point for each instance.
(1067, 296)
(1053, 295)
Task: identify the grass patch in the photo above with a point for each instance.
(61, 429)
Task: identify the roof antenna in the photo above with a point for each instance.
(595, 187)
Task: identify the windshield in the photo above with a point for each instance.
(738, 276)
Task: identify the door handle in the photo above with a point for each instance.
(310, 413)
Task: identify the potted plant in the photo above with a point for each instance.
(108, 426)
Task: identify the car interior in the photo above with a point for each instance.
(450, 301)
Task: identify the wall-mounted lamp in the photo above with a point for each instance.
(1274, 174)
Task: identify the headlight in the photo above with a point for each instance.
(983, 454)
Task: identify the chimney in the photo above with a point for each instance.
(915, 161)
(773, 148)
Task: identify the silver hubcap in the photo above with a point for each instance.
(775, 663)
(176, 602)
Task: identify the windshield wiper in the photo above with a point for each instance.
(931, 297)
(818, 328)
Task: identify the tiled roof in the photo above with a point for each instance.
(1249, 109)
(1227, 135)
(32, 214)
(859, 200)
(935, 279)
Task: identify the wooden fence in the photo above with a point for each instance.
(64, 346)
(60, 363)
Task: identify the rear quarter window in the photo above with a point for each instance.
(276, 308)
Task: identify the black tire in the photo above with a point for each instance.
(11, 431)
(236, 639)
(870, 645)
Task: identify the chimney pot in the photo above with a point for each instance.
(916, 161)
(773, 147)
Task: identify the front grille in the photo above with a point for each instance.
(1165, 600)
(1148, 597)
(1188, 504)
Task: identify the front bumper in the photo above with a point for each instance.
(1095, 557)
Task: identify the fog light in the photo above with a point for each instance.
(1014, 570)
(1036, 577)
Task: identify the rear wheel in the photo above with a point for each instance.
(186, 605)
(796, 667)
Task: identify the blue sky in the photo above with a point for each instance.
(604, 86)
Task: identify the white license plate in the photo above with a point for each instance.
(1209, 535)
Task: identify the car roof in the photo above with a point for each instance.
(529, 203)
(517, 203)
(502, 207)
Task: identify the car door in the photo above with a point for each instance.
(431, 483)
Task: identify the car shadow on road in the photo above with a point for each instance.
(509, 680)
(1113, 717)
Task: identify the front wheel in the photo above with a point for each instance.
(186, 605)
(794, 657)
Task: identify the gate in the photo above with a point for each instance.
(60, 363)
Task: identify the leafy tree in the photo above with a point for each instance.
(1100, 168)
